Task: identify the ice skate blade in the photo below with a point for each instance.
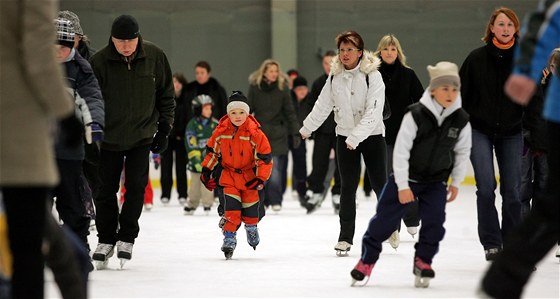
(101, 265)
(422, 282)
(228, 254)
(359, 283)
(123, 261)
(342, 253)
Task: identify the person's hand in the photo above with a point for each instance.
(520, 88)
(159, 144)
(157, 160)
(303, 136)
(207, 179)
(406, 196)
(255, 184)
(348, 146)
(296, 141)
(96, 132)
(452, 192)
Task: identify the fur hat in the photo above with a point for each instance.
(237, 100)
(299, 81)
(72, 17)
(125, 27)
(64, 32)
(444, 73)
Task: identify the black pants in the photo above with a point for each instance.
(411, 217)
(69, 198)
(320, 163)
(136, 162)
(533, 238)
(91, 168)
(25, 211)
(177, 146)
(374, 152)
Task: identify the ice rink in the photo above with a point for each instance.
(178, 256)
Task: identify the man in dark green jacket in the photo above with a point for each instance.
(137, 87)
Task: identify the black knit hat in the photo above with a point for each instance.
(299, 81)
(64, 32)
(125, 27)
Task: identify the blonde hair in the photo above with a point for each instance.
(257, 76)
(506, 11)
(391, 40)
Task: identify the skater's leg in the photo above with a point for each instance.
(181, 168)
(411, 216)
(349, 166)
(508, 151)
(483, 166)
(299, 169)
(194, 192)
(232, 206)
(526, 189)
(166, 172)
(106, 206)
(320, 162)
(273, 189)
(383, 224)
(250, 207)
(432, 199)
(375, 159)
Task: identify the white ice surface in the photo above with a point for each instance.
(178, 256)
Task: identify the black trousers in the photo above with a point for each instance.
(177, 147)
(533, 238)
(320, 163)
(108, 220)
(69, 198)
(374, 151)
(25, 211)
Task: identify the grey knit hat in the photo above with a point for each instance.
(72, 17)
(444, 73)
(64, 32)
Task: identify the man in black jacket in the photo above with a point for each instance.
(137, 86)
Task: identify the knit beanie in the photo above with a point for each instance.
(299, 81)
(125, 27)
(444, 73)
(64, 32)
(237, 100)
(72, 17)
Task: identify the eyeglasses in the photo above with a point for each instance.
(349, 50)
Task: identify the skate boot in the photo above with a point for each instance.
(395, 239)
(182, 200)
(314, 202)
(165, 200)
(229, 244)
(188, 211)
(102, 254)
(252, 235)
(276, 208)
(148, 207)
(342, 248)
(413, 230)
(491, 253)
(360, 272)
(124, 252)
(423, 273)
(207, 211)
(336, 203)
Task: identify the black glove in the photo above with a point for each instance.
(255, 184)
(207, 179)
(160, 143)
(296, 141)
(72, 131)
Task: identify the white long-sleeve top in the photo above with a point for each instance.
(407, 134)
(358, 109)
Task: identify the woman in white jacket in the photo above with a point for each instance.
(356, 93)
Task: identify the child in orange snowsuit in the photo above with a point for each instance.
(244, 153)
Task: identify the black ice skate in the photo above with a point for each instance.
(124, 252)
(314, 202)
(252, 235)
(102, 254)
(342, 248)
(360, 272)
(229, 244)
(423, 273)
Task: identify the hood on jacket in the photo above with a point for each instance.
(368, 63)
(427, 101)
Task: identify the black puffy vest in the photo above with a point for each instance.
(432, 156)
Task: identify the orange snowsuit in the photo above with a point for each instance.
(244, 153)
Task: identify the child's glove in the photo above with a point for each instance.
(157, 160)
(255, 184)
(208, 181)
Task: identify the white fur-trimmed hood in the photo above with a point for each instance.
(368, 64)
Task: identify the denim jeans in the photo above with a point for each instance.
(273, 187)
(508, 155)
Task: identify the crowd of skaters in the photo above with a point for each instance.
(175, 124)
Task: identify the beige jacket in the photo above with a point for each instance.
(32, 94)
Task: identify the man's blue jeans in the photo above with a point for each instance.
(508, 155)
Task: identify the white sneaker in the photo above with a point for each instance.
(395, 239)
(182, 200)
(413, 230)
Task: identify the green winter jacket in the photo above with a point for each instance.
(138, 95)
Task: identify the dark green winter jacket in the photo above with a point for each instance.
(138, 95)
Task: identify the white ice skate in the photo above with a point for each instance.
(423, 272)
(395, 239)
(342, 248)
(102, 254)
(336, 203)
(124, 252)
(148, 207)
(413, 230)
